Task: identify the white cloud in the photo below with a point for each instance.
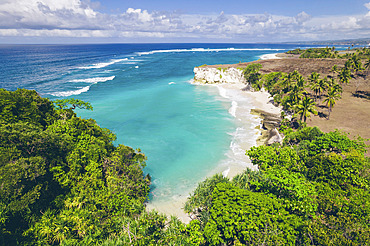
(76, 18)
(47, 14)
(367, 5)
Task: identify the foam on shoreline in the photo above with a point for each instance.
(247, 130)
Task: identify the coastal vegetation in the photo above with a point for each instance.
(62, 180)
(361, 53)
(311, 190)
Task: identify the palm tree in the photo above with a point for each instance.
(286, 81)
(314, 77)
(332, 96)
(333, 84)
(356, 64)
(314, 83)
(334, 69)
(323, 85)
(345, 75)
(295, 94)
(305, 107)
(315, 88)
(301, 82)
(367, 64)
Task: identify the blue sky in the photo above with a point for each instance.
(287, 7)
(89, 21)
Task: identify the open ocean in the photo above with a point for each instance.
(142, 93)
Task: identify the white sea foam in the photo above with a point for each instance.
(222, 92)
(226, 172)
(203, 50)
(104, 64)
(232, 110)
(71, 93)
(136, 66)
(171, 83)
(245, 134)
(94, 80)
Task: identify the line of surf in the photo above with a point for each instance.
(104, 64)
(82, 89)
(206, 50)
(94, 80)
(71, 93)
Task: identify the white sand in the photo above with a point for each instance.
(172, 207)
(269, 56)
(261, 99)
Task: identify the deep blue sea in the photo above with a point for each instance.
(142, 92)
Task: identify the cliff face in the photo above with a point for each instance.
(210, 75)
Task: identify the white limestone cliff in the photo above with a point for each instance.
(211, 75)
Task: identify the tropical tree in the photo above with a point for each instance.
(296, 93)
(73, 103)
(314, 77)
(334, 69)
(333, 84)
(300, 81)
(345, 75)
(314, 83)
(305, 108)
(286, 80)
(332, 96)
(356, 64)
(323, 85)
(367, 66)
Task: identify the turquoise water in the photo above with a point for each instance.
(143, 93)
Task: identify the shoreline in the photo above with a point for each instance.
(248, 133)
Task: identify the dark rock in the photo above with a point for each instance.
(270, 123)
(274, 137)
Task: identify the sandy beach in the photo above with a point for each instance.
(246, 135)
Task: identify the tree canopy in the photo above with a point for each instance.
(311, 190)
(61, 177)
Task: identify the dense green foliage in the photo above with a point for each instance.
(315, 52)
(319, 53)
(361, 53)
(311, 190)
(61, 177)
(295, 51)
(253, 76)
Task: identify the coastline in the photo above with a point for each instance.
(235, 159)
(248, 133)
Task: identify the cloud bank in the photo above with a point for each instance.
(79, 19)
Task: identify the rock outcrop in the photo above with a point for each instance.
(270, 123)
(212, 75)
